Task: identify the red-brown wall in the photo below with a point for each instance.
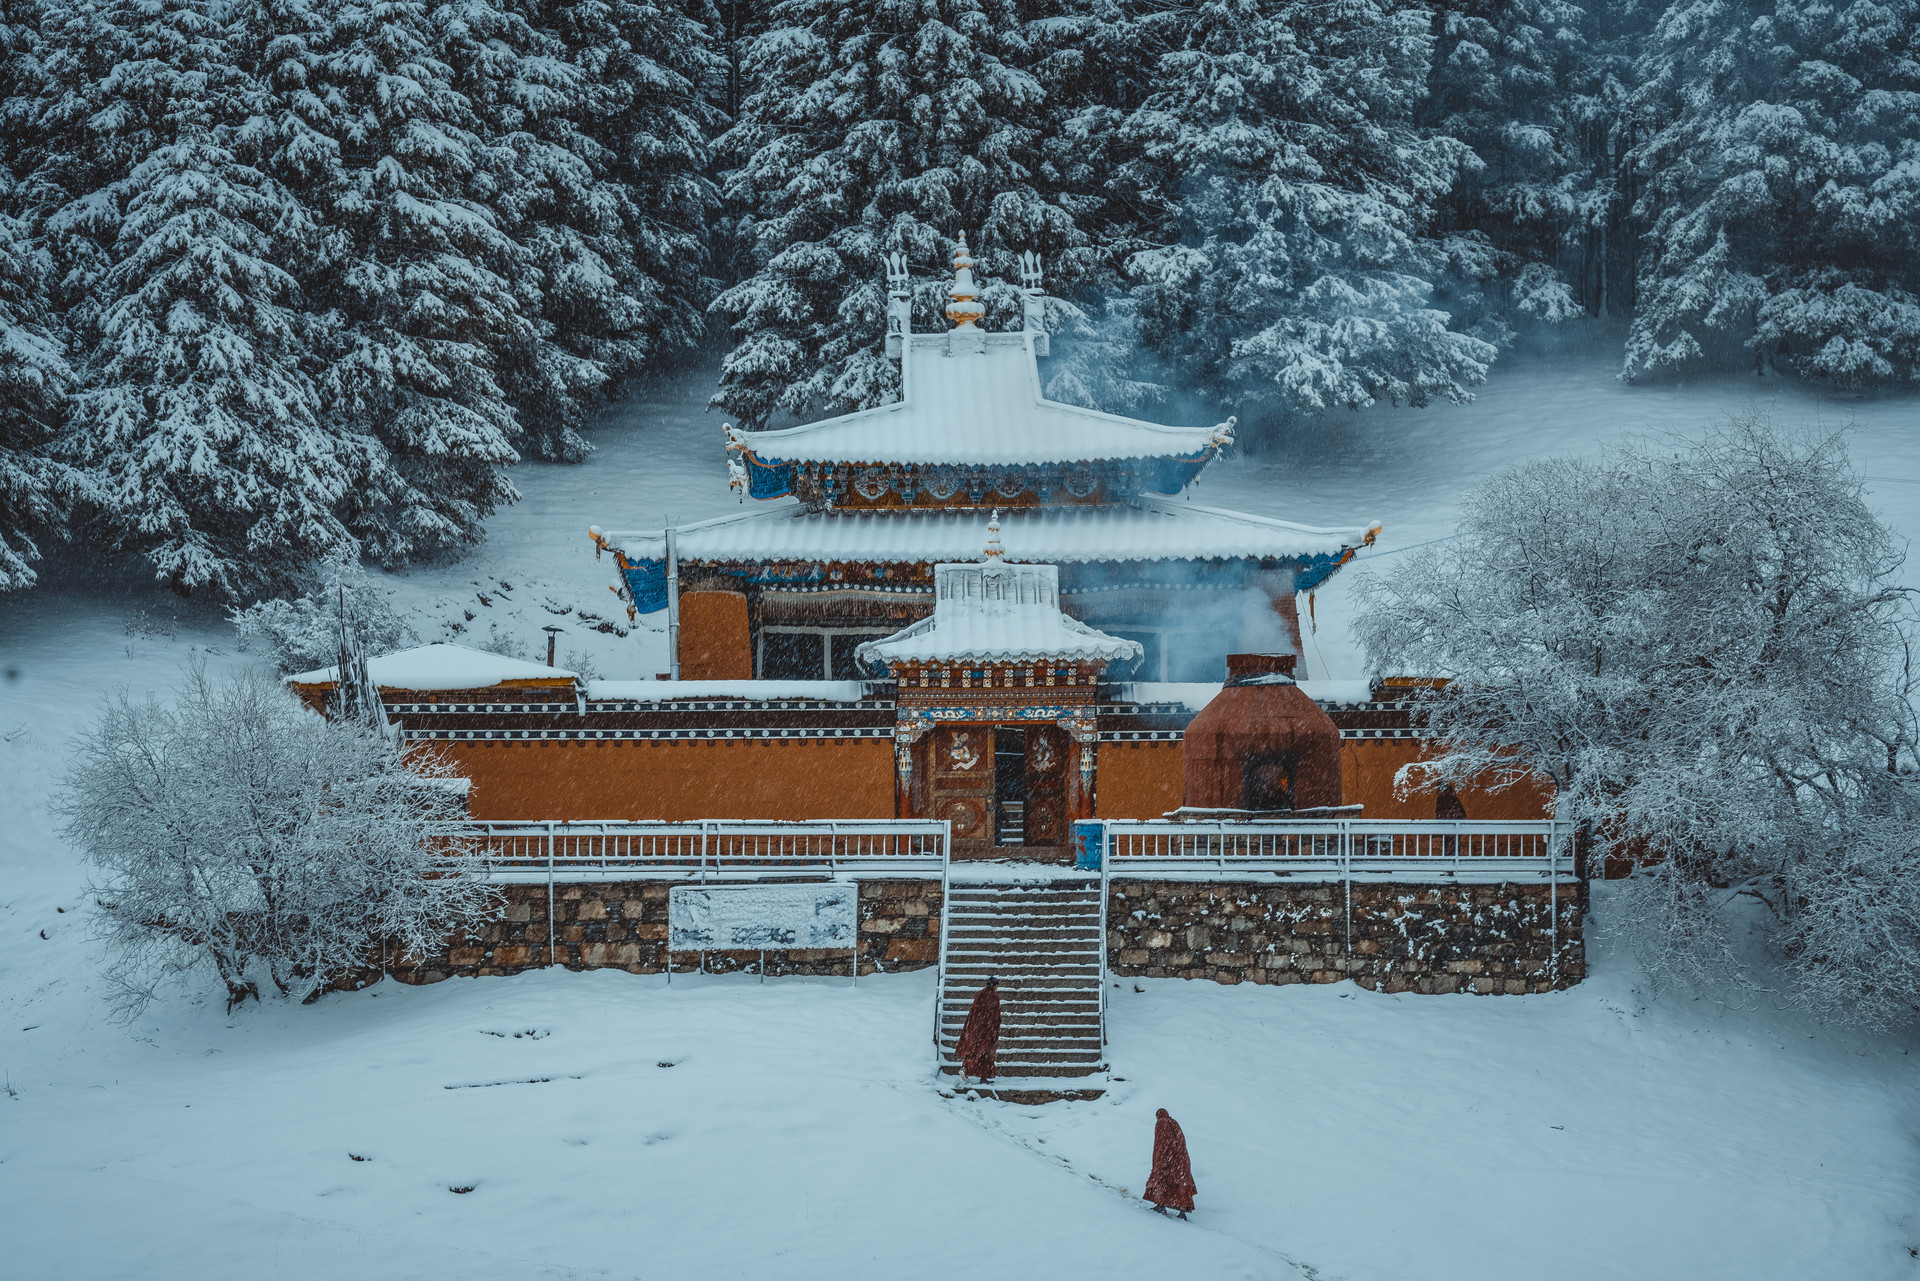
(1136, 780)
(1368, 767)
(715, 640)
(688, 779)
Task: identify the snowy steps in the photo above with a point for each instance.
(1043, 942)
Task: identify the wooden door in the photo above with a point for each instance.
(1046, 769)
(961, 784)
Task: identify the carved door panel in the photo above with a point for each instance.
(1046, 819)
(962, 784)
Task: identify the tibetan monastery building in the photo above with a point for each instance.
(974, 604)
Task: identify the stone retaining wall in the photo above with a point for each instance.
(1406, 938)
(623, 925)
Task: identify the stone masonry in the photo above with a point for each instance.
(1406, 938)
(623, 925)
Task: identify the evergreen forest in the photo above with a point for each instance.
(289, 281)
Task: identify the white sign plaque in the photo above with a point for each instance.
(762, 917)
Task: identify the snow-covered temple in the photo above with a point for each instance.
(972, 654)
(974, 605)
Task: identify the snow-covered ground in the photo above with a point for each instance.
(1335, 1133)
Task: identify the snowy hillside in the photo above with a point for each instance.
(609, 1125)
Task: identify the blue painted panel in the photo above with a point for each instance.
(647, 580)
(1089, 840)
(768, 480)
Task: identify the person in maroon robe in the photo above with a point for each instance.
(980, 1038)
(1170, 1186)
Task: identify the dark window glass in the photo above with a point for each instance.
(792, 656)
(845, 666)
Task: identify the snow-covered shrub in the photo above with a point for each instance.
(302, 634)
(1705, 645)
(234, 830)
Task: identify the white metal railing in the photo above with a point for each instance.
(1371, 848)
(708, 849)
(1378, 850)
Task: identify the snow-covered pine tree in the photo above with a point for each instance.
(1782, 207)
(419, 287)
(1497, 85)
(875, 126)
(1602, 130)
(1293, 193)
(622, 240)
(526, 98)
(68, 137)
(1093, 74)
(196, 422)
(35, 491)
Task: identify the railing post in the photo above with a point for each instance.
(1346, 877)
(1106, 875)
(1553, 898)
(940, 966)
(550, 929)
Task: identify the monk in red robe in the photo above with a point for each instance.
(1170, 1186)
(980, 1038)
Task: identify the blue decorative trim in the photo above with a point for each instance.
(1316, 570)
(1170, 476)
(647, 580)
(773, 479)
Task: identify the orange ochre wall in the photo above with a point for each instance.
(1368, 766)
(716, 641)
(854, 778)
(1136, 780)
(1143, 781)
(687, 779)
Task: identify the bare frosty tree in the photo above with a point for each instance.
(235, 829)
(1705, 647)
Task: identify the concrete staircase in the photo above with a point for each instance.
(1043, 940)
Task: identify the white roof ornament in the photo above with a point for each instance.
(1030, 270)
(736, 468)
(966, 307)
(994, 550)
(1036, 302)
(899, 305)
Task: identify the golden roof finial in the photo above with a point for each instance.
(966, 306)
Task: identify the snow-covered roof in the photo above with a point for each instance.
(1146, 529)
(681, 691)
(976, 401)
(442, 667)
(993, 612)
